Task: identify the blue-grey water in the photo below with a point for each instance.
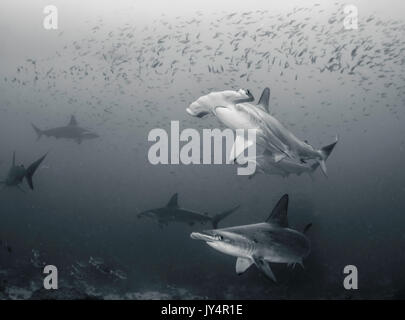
(124, 68)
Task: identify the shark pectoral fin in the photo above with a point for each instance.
(278, 157)
(264, 266)
(240, 145)
(242, 264)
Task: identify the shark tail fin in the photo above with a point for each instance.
(325, 153)
(38, 131)
(217, 218)
(327, 150)
(31, 170)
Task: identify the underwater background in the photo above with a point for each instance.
(126, 67)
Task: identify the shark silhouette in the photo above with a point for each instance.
(71, 131)
(172, 212)
(17, 173)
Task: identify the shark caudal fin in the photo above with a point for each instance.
(31, 170)
(38, 131)
(325, 153)
(217, 218)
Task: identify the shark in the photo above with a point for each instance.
(17, 173)
(286, 167)
(71, 131)
(172, 212)
(235, 110)
(261, 243)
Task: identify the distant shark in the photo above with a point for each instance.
(235, 110)
(71, 131)
(261, 243)
(17, 173)
(173, 213)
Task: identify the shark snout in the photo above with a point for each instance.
(191, 112)
(198, 114)
(197, 109)
(203, 236)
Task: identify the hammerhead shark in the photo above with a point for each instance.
(235, 110)
(261, 243)
(286, 167)
(17, 173)
(172, 212)
(71, 131)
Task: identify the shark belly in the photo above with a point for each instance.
(233, 119)
(241, 118)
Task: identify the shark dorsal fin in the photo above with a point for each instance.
(279, 213)
(264, 99)
(13, 163)
(72, 121)
(173, 201)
